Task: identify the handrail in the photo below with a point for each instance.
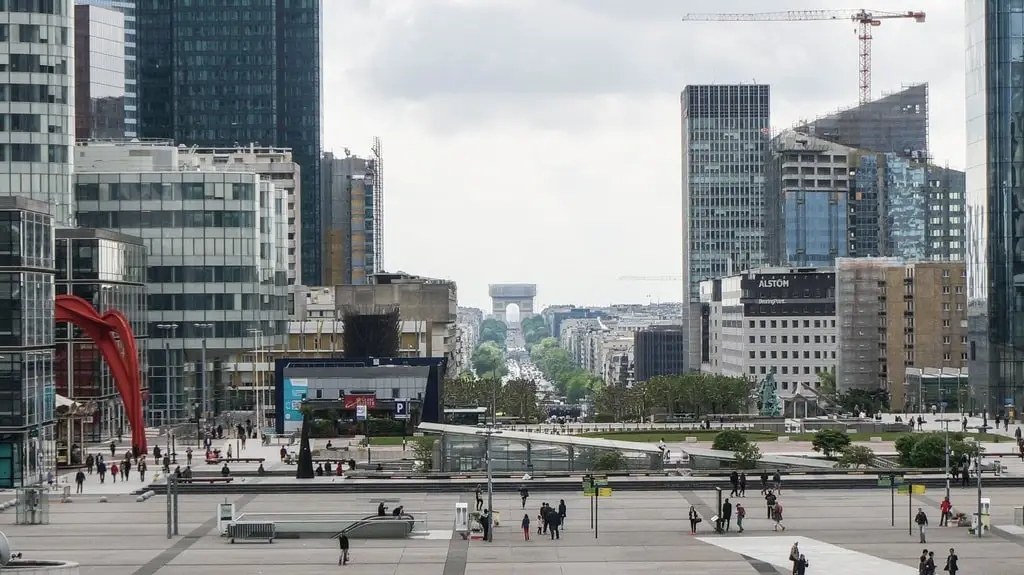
(373, 518)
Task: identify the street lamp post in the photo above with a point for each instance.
(167, 327)
(487, 432)
(258, 339)
(203, 401)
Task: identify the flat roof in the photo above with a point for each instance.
(566, 440)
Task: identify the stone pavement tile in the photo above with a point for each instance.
(107, 570)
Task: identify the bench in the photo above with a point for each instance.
(219, 460)
(210, 480)
(252, 530)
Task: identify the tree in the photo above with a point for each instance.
(830, 442)
(856, 456)
(493, 330)
(747, 455)
(929, 449)
(610, 461)
(423, 452)
(729, 440)
(534, 330)
(518, 398)
(488, 359)
(698, 394)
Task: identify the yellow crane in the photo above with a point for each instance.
(867, 19)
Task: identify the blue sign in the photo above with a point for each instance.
(401, 409)
(295, 391)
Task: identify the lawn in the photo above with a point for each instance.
(388, 440)
(680, 436)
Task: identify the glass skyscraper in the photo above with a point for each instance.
(131, 95)
(218, 74)
(995, 202)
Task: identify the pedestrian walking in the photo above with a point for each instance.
(554, 522)
(524, 494)
(777, 516)
(526, 526)
(734, 480)
(764, 482)
(945, 508)
(743, 484)
(726, 515)
(79, 481)
(114, 471)
(479, 498)
(343, 547)
(561, 512)
(740, 514)
(770, 500)
(694, 520)
(777, 480)
(794, 555)
(113, 446)
(952, 562)
(922, 523)
(90, 462)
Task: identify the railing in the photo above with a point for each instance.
(583, 428)
(286, 522)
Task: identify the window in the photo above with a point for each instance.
(785, 339)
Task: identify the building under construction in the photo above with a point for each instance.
(351, 217)
(893, 315)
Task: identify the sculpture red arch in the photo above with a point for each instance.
(122, 359)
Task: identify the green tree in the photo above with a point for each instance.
(610, 461)
(534, 330)
(729, 440)
(856, 456)
(423, 452)
(493, 330)
(699, 394)
(518, 398)
(747, 455)
(830, 442)
(488, 359)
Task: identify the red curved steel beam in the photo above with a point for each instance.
(113, 336)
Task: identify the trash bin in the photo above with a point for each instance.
(1018, 516)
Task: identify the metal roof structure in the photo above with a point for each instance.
(565, 440)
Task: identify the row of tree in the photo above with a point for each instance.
(493, 330)
(853, 400)
(489, 360)
(696, 394)
(514, 398)
(534, 330)
(559, 368)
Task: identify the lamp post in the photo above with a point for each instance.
(256, 379)
(203, 397)
(487, 432)
(40, 406)
(167, 327)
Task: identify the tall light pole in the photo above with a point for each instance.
(203, 401)
(258, 340)
(167, 328)
(40, 389)
(487, 432)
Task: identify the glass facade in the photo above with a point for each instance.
(27, 393)
(466, 453)
(36, 112)
(131, 96)
(216, 245)
(995, 202)
(108, 270)
(258, 82)
(99, 73)
(906, 209)
(815, 227)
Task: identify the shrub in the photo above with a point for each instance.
(610, 461)
(729, 440)
(423, 452)
(747, 455)
(855, 456)
(929, 451)
(830, 442)
(905, 448)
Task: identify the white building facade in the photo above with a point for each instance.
(779, 321)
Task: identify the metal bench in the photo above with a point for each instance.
(252, 530)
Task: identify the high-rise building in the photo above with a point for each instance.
(27, 395)
(350, 217)
(216, 263)
(36, 102)
(131, 94)
(258, 83)
(275, 165)
(725, 136)
(659, 350)
(995, 203)
(99, 73)
(108, 270)
(894, 315)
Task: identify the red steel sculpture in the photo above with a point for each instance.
(113, 335)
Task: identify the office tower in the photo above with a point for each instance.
(258, 83)
(216, 265)
(659, 350)
(895, 315)
(36, 107)
(995, 204)
(350, 219)
(99, 73)
(131, 96)
(275, 165)
(725, 133)
(108, 270)
(807, 211)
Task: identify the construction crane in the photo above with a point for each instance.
(651, 278)
(867, 19)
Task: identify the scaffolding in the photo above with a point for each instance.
(861, 308)
(375, 170)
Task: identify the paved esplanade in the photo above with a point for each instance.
(842, 532)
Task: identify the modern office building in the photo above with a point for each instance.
(807, 203)
(725, 137)
(37, 108)
(108, 270)
(779, 321)
(258, 83)
(217, 261)
(99, 73)
(275, 165)
(131, 95)
(659, 350)
(895, 314)
(351, 218)
(27, 394)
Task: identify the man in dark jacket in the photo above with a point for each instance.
(726, 515)
(343, 544)
(554, 522)
(734, 479)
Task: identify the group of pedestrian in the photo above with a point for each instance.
(798, 559)
(549, 520)
(926, 563)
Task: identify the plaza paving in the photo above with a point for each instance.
(640, 532)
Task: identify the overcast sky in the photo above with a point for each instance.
(538, 141)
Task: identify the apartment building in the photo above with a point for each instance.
(894, 315)
(779, 321)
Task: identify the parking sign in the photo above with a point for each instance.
(360, 413)
(401, 409)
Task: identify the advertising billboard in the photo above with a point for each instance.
(353, 401)
(295, 391)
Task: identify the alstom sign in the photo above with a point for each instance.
(776, 283)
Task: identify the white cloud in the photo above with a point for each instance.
(538, 141)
